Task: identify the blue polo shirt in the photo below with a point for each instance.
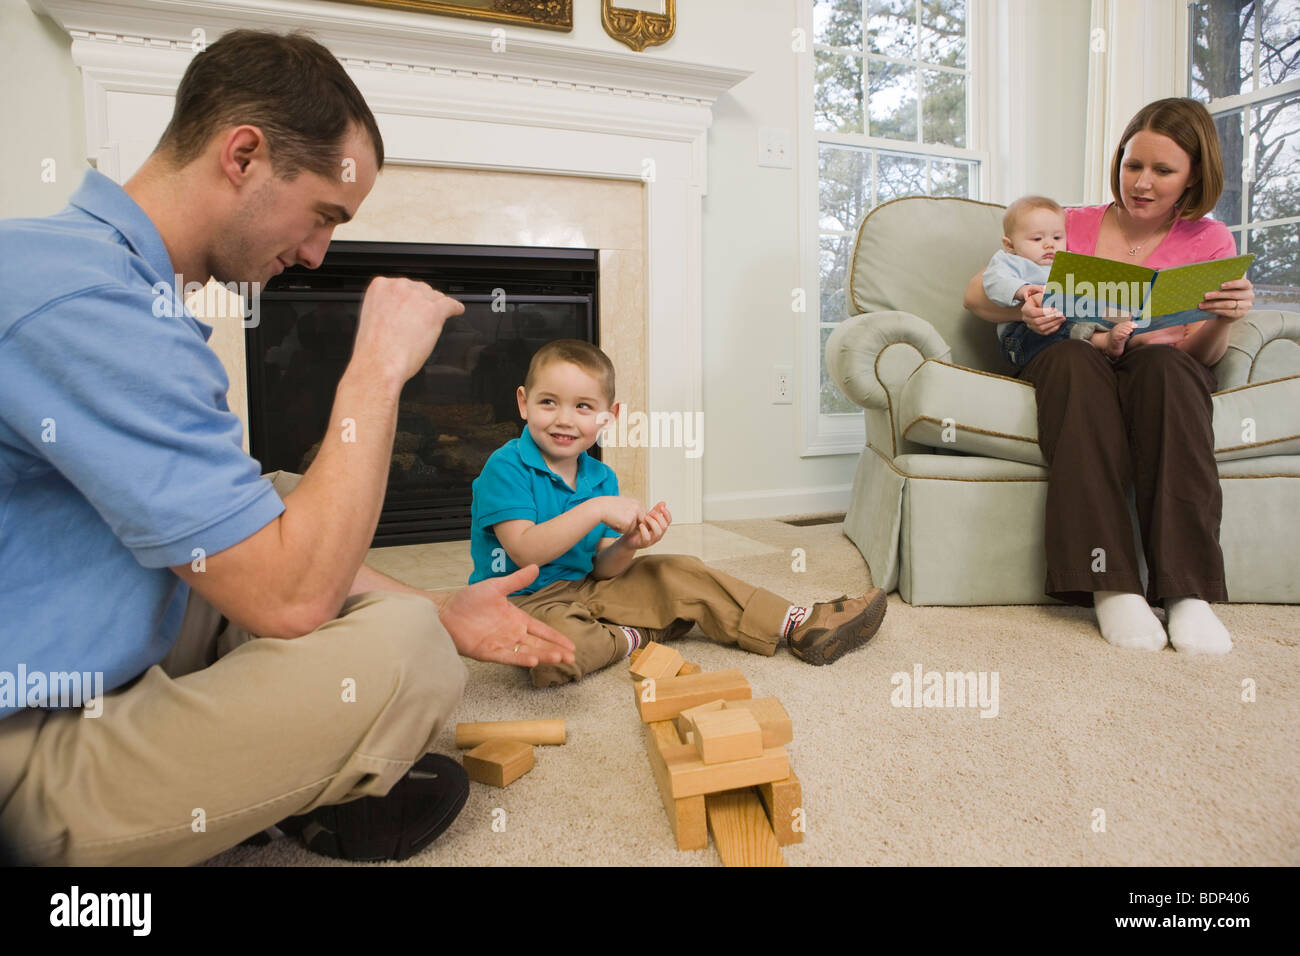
(515, 483)
(118, 453)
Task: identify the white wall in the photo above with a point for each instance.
(1056, 105)
(40, 113)
(751, 460)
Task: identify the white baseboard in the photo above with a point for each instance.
(776, 503)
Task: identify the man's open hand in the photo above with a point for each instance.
(487, 627)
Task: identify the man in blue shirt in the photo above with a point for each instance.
(140, 549)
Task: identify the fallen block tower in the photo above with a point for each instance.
(719, 759)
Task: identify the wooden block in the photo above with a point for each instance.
(686, 719)
(658, 661)
(671, 695)
(499, 762)
(783, 801)
(690, 775)
(724, 735)
(524, 731)
(778, 729)
(741, 831)
(688, 667)
(685, 815)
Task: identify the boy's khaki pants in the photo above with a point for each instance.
(654, 591)
(230, 734)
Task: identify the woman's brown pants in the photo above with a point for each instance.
(1144, 421)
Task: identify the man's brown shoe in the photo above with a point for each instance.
(836, 627)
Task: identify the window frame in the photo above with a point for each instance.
(841, 434)
(1246, 104)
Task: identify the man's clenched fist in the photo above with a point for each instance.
(400, 323)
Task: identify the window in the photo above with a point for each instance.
(1244, 64)
(890, 87)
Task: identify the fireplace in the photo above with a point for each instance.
(452, 414)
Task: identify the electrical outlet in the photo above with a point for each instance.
(782, 385)
(775, 148)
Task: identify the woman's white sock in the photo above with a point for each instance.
(1194, 628)
(1126, 620)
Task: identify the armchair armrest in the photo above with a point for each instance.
(1263, 346)
(870, 357)
(860, 360)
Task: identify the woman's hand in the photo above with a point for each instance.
(1233, 300)
(1040, 320)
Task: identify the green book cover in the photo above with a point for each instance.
(1092, 289)
(1179, 288)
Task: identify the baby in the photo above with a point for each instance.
(1034, 228)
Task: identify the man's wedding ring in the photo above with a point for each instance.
(516, 648)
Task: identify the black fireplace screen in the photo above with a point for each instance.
(453, 413)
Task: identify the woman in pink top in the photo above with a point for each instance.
(1143, 419)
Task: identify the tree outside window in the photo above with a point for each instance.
(1244, 64)
(890, 113)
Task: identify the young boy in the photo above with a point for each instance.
(1034, 228)
(541, 499)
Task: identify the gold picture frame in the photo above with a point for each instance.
(544, 14)
(639, 29)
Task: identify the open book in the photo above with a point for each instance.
(1105, 291)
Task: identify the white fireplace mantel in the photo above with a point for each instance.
(444, 97)
(386, 35)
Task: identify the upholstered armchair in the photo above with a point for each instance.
(948, 499)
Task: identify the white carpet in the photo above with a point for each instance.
(1163, 745)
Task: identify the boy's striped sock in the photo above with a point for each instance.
(634, 639)
(794, 616)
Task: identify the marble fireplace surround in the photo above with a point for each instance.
(625, 124)
(446, 205)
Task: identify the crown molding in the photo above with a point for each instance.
(397, 41)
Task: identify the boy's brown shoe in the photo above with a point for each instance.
(834, 628)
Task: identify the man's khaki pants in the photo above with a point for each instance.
(229, 734)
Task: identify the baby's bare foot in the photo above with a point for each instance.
(1117, 337)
